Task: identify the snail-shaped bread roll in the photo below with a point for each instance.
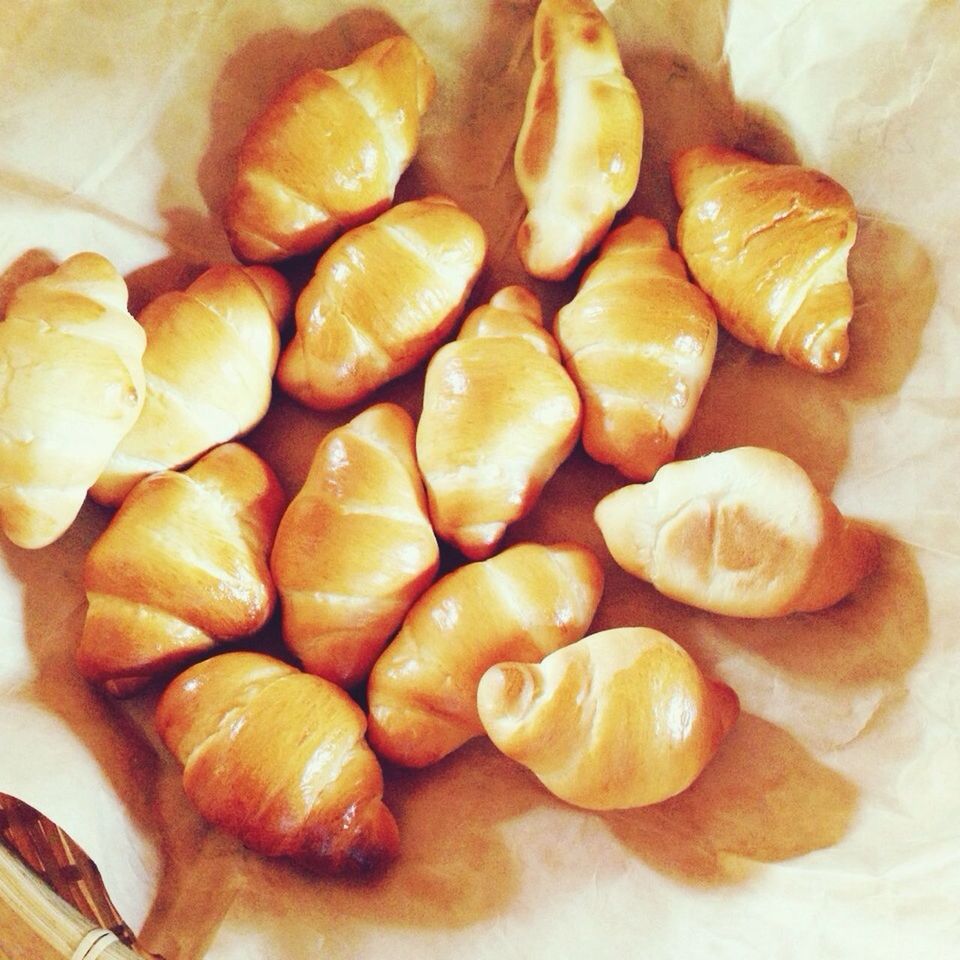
(622, 718)
(181, 568)
(328, 152)
(71, 386)
(769, 244)
(639, 340)
(519, 605)
(743, 532)
(276, 758)
(210, 358)
(577, 158)
(500, 414)
(381, 299)
(355, 547)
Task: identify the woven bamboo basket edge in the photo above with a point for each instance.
(52, 900)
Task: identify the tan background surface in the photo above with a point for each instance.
(828, 823)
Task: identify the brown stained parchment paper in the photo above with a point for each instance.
(827, 825)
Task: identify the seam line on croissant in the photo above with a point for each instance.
(353, 597)
(163, 389)
(392, 149)
(226, 316)
(262, 179)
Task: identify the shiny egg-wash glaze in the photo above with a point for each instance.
(519, 605)
(500, 414)
(355, 547)
(639, 340)
(71, 385)
(209, 363)
(577, 159)
(622, 718)
(328, 152)
(381, 299)
(181, 568)
(769, 244)
(277, 758)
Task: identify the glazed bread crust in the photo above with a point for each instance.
(577, 159)
(769, 244)
(519, 605)
(380, 301)
(209, 362)
(71, 386)
(500, 414)
(622, 718)
(181, 568)
(277, 758)
(639, 341)
(355, 548)
(328, 152)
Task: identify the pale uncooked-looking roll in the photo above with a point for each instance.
(742, 532)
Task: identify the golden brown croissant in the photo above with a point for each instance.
(621, 718)
(276, 758)
(181, 567)
(71, 386)
(382, 297)
(639, 341)
(769, 244)
(519, 605)
(355, 547)
(577, 158)
(743, 532)
(210, 358)
(500, 414)
(328, 152)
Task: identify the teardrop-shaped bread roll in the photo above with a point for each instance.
(71, 386)
(211, 354)
(577, 159)
(276, 758)
(328, 152)
(769, 244)
(622, 718)
(355, 547)
(381, 299)
(743, 532)
(500, 414)
(519, 605)
(181, 568)
(638, 340)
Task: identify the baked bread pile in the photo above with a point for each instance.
(411, 621)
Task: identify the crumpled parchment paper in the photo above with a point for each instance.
(826, 826)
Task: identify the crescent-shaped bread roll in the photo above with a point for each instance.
(577, 159)
(71, 386)
(638, 340)
(769, 244)
(181, 568)
(355, 547)
(743, 532)
(500, 414)
(381, 299)
(276, 758)
(328, 152)
(210, 358)
(622, 718)
(519, 605)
